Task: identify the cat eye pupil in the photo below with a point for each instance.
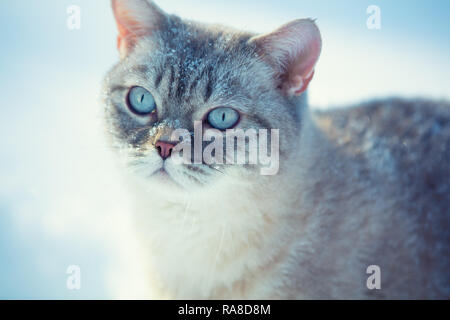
(223, 118)
(141, 101)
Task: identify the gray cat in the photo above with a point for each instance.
(356, 187)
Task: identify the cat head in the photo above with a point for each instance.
(175, 74)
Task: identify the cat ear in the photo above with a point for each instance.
(135, 18)
(293, 50)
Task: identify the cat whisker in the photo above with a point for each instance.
(219, 251)
(215, 169)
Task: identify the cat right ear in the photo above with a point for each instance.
(135, 19)
(292, 50)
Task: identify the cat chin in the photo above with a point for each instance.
(175, 181)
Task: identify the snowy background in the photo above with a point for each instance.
(60, 200)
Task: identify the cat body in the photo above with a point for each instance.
(356, 187)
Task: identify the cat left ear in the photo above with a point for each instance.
(293, 50)
(135, 19)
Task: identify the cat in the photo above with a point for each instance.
(359, 186)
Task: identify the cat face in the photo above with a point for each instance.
(177, 74)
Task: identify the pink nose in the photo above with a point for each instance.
(164, 149)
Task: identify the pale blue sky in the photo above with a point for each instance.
(54, 196)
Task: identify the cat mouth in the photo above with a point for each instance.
(162, 174)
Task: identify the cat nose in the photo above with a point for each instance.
(164, 149)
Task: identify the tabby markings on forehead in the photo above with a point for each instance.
(159, 78)
(141, 69)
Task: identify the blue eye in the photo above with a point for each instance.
(223, 118)
(141, 101)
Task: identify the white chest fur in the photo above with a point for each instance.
(208, 244)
